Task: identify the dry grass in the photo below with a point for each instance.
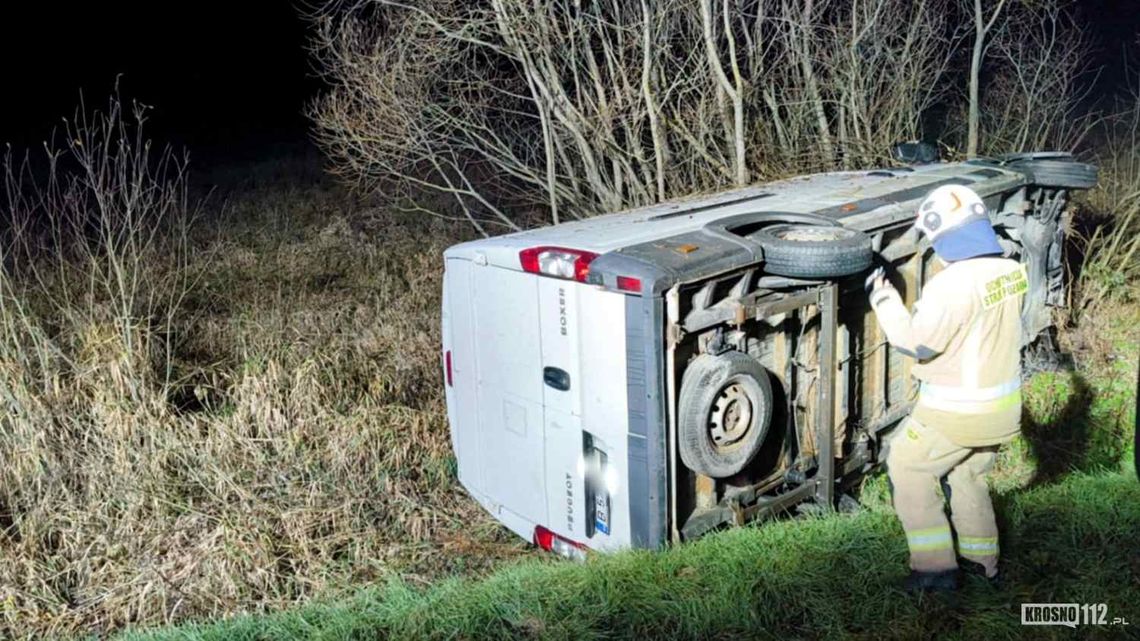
(255, 420)
(1105, 297)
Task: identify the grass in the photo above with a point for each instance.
(263, 431)
(831, 577)
(1068, 536)
(246, 418)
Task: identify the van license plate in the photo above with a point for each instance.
(602, 512)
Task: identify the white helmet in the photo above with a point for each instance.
(957, 223)
(948, 207)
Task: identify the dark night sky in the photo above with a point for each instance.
(225, 77)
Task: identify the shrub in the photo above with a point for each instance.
(508, 106)
(503, 108)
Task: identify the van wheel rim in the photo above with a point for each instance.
(731, 416)
(807, 233)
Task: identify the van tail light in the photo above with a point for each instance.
(447, 365)
(629, 284)
(561, 546)
(559, 262)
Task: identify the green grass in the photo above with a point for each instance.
(833, 577)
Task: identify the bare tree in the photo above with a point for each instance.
(804, 50)
(1035, 96)
(573, 107)
(734, 88)
(396, 118)
(884, 67)
(984, 24)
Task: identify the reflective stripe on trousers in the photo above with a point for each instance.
(977, 546)
(929, 539)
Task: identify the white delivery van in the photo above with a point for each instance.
(643, 377)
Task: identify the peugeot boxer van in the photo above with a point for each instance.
(643, 377)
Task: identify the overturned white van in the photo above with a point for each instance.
(643, 377)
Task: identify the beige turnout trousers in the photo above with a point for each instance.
(919, 458)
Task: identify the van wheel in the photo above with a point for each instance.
(724, 412)
(813, 251)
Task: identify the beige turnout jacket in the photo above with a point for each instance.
(965, 335)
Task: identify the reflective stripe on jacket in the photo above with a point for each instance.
(966, 400)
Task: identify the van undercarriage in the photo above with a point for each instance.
(838, 387)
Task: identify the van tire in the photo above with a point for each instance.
(724, 411)
(1057, 172)
(813, 251)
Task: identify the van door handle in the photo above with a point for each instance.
(557, 378)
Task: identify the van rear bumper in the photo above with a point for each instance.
(645, 390)
(514, 522)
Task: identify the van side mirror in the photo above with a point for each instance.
(915, 153)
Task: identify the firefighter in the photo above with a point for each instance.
(965, 337)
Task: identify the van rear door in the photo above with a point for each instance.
(538, 399)
(585, 410)
(495, 400)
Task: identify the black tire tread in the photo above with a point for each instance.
(1059, 173)
(815, 259)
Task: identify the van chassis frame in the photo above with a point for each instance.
(774, 297)
(778, 295)
(740, 505)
